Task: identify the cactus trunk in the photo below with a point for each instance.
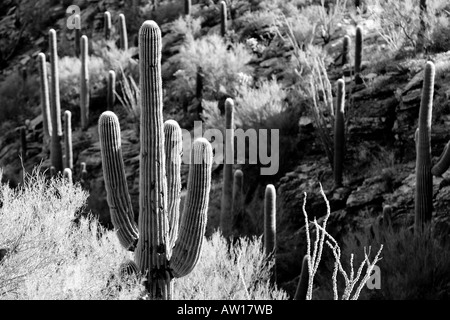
(77, 35)
(107, 25)
(238, 200)
(123, 32)
(84, 92)
(270, 228)
(444, 162)
(111, 97)
(226, 215)
(223, 18)
(339, 134)
(45, 98)
(346, 50)
(302, 287)
(68, 139)
(358, 55)
(56, 147)
(424, 178)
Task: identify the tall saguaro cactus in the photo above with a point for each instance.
(107, 25)
(110, 96)
(123, 32)
(55, 106)
(77, 35)
(345, 50)
(424, 179)
(84, 92)
(270, 228)
(223, 18)
(238, 198)
(339, 134)
(158, 257)
(358, 55)
(68, 139)
(45, 98)
(226, 215)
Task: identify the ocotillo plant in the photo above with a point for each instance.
(339, 134)
(45, 98)
(302, 287)
(223, 18)
(55, 107)
(123, 32)
(77, 37)
(346, 50)
(358, 55)
(226, 216)
(68, 139)
(424, 179)
(270, 227)
(238, 198)
(187, 7)
(110, 96)
(444, 162)
(107, 25)
(84, 79)
(155, 257)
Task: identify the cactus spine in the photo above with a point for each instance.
(123, 32)
(68, 139)
(339, 134)
(107, 25)
(302, 287)
(444, 162)
(270, 227)
(346, 50)
(154, 255)
(84, 98)
(56, 147)
(358, 55)
(45, 98)
(424, 179)
(77, 34)
(226, 215)
(111, 97)
(223, 18)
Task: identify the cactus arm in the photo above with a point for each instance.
(444, 162)
(110, 97)
(193, 221)
(424, 179)
(223, 18)
(173, 151)
(117, 195)
(107, 25)
(123, 32)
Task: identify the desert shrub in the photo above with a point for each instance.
(187, 25)
(414, 266)
(220, 63)
(49, 256)
(241, 272)
(258, 25)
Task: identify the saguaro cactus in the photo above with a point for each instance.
(107, 25)
(45, 98)
(56, 147)
(67, 174)
(346, 50)
(68, 139)
(77, 35)
(187, 7)
(155, 256)
(110, 96)
(123, 32)
(226, 215)
(223, 18)
(339, 134)
(238, 198)
(270, 227)
(358, 55)
(424, 179)
(84, 92)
